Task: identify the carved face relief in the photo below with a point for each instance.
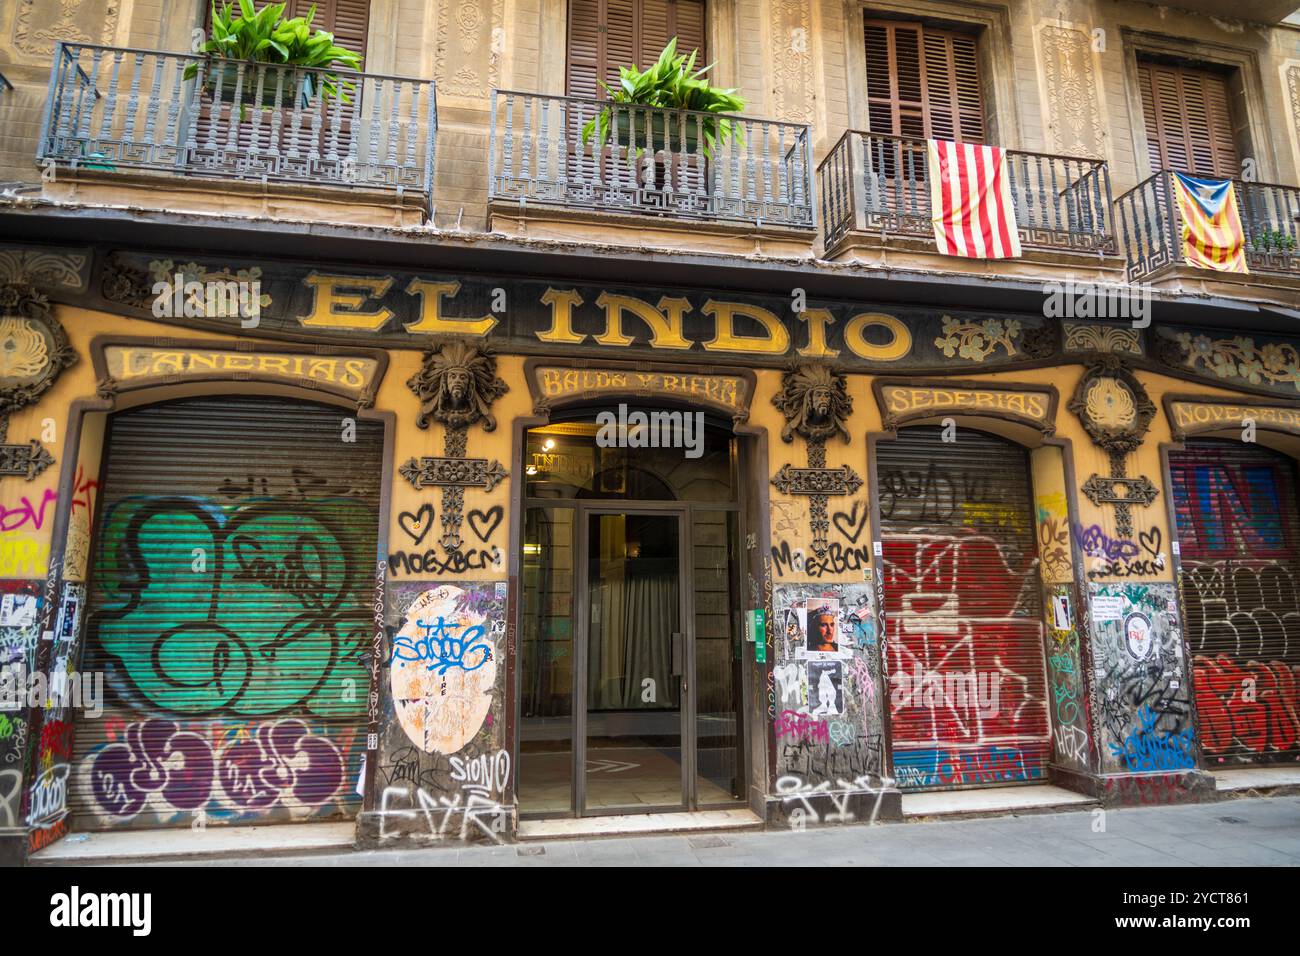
(457, 385)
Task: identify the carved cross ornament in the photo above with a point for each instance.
(815, 401)
(457, 385)
(1116, 412)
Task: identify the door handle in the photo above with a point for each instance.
(679, 665)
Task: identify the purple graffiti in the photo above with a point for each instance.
(156, 757)
(282, 763)
(1096, 543)
(156, 762)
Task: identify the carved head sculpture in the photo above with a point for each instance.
(815, 402)
(457, 385)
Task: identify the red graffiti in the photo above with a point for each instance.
(964, 659)
(1252, 705)
(83, 492)
(56, 740)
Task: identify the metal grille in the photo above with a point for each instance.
(229, 611)
(112, 108)
(968, 693)
(1239, 537)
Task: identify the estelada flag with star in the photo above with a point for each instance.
(1212, 233)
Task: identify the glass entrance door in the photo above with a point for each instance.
(637, 691)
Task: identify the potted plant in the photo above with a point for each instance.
(1274, 240)
(670, 83)
(266, 36)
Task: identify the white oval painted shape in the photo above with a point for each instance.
(442, 670)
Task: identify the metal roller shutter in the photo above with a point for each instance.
(1239, 538)
(968, 692)
(230, 606)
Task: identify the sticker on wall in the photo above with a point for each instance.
(1061, 612)
(443, 668)
(825, 688)
(1107, 607)
(1137, 635)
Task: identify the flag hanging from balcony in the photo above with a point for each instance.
(1212, 233)
(970, 201)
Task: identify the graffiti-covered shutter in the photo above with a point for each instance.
(1239, 538)
(230, 607)
(968, 699)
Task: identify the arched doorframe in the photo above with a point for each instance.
(1056, 464)
(754, 524)
(84, 436)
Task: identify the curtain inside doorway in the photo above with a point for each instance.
(632, 640)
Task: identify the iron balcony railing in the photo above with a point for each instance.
(115, 108)
(671, 163)
(876, 183)
(1151, 226)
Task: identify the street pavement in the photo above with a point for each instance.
(1244, 832)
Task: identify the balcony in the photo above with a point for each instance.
(1151, 227)
(877, 185)
(115, 111)
(660, 167)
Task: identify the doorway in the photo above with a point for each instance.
(630, 675)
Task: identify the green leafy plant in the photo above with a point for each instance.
(673, 83)
(266, 36)
(1274, 240)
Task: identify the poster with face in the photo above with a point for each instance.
(825, 688)
(824, 630)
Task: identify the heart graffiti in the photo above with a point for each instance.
(417, 524)
(483, 523)
(849, 524)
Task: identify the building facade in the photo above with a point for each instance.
(406, 455)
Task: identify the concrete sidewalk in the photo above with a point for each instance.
(1245, 832)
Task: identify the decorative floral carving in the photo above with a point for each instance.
(1112, 405)
(1069, 77)
(976, 341)
(1239, 357)
(1081, 337)
(34, 349)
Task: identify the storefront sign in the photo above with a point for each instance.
(124, 365)
(403, 310)
(1188, 416)
(729, 393)
(902, 402)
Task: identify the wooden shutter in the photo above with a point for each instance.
(607, 34)
(1188, 120)
(923, 83)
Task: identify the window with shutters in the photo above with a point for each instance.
(1188, 119)
(607, 34)
(923, 82)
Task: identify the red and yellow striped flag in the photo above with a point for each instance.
(970, 201)
(1212, 233)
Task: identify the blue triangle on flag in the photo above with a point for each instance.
(1209, 194)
